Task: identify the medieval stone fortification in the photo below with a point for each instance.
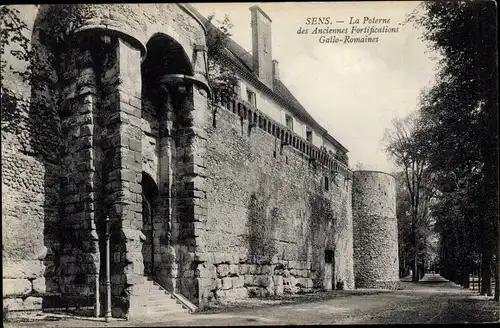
(251, 200)
(375, 230)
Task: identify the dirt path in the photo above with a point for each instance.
(432, 300)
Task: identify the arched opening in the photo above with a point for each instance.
(165, 56)
(329, 275)
(173, 58)
(149, 196)
(166, 107)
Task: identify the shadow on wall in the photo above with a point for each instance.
(267, 212)
(321, 229)
(36, 125)
(263, 219)
(45, 140)
(33, 158)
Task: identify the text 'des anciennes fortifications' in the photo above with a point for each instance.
(330, 30)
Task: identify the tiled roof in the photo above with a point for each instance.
(243, 60)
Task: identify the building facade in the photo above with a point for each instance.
(249, 201)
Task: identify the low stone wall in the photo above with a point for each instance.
(391, 285)
(236, 277)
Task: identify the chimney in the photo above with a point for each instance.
(276, 69)
(261, 46)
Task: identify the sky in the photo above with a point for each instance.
(354, 90)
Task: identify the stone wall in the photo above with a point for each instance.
(28, 211)
(269, 218)
(376, 262)
(242, 207)
(30, 147)
(79, 251)
(81, 155)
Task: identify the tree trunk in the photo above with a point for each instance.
(403, 270)
(473, 276)
(491, 170)
(497, 262)
(497, 274)
(479, 280)
(415, 268)
(486, 273)
(465, 277)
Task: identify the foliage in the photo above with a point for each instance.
(35, 68)
(222, 80)
(342, 157)
(460, 115)
(13, 31)
(359, 166)
(407, 145)
(403, 215)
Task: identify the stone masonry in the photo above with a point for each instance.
(211, 205)
(376, 262)
(270, 218)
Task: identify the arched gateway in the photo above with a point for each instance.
(112, 79)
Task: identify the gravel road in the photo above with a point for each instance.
(432, 300)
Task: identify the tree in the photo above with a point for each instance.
(461, 114)
(359, 166)
(37, 69)
(222, 80)
(13, 31)
(424, 227)
(406, 143)
(403, 215)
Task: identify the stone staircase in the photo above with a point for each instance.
(159, 302)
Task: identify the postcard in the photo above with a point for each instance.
(250, 163)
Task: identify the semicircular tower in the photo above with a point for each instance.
(375, 230)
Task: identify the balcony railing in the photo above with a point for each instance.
(258, 119)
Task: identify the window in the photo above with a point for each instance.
(329, 256)
(309, 135)
(326, 184)
(237, 91)
(251, 98)
(289, 121)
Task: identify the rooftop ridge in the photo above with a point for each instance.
(255, 117)
(243, 62)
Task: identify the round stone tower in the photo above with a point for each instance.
(375, 230)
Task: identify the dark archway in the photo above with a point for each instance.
(149, 196)
(171, 55)
(165, 56)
